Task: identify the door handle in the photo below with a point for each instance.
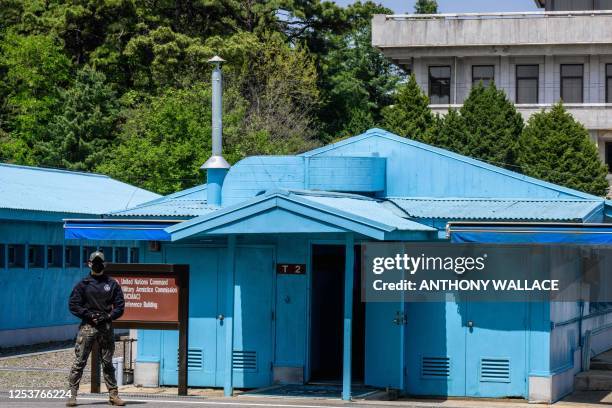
(221, 317)
(470, 324)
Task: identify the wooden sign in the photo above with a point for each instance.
(150, 298)
(156, 297)
(291, 269)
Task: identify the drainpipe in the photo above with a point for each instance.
(216, 166)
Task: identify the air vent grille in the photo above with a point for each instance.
(244, 360)
(494, 370)
(194, 359)
(435, 367)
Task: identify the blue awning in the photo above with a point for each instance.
(531, 233)
(118, 230)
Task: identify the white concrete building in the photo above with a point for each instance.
(537, 58)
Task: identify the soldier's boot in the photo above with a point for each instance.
(72, 399)
(113, 398)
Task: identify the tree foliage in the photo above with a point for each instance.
(556, 148)
(426, 7)
(166, 138)
(410, 115)
(493, 126)
(82, 132)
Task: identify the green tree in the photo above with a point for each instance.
(493, 126)
(166, 138)
(410, 115)
(449, 132)
(557, 148)
(83, 130)
(34, 70)
(356, 80)
(426, 7)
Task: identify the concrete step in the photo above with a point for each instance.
(594, 380)
(601, 365)
(602, 362)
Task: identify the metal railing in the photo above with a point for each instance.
(500, 15)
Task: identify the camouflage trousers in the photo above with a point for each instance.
(104, 335)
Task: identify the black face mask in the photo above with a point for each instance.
(97, 267)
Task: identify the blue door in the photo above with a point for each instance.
(205, 330)
(466, 349)
(383, 344)
(496, 361)
(253, 317)
(435, 349)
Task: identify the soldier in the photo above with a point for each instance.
(97, 300)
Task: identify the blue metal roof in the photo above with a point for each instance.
(186, 203)
(498, 209)
(286, 211)
(62, 191)
(362, 206)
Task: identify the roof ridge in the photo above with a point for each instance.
(452, 155)
(577, 199)
(54, 169)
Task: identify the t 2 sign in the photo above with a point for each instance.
(291, 269)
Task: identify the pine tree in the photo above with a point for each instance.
(493, 126)
(449, 132)
(426, 7)
(410, 115)
(556, 148)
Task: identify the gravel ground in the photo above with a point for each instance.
(53, 374)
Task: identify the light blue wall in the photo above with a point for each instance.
(418, 170)
(37, 296)
(256, 174)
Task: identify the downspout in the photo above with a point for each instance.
(216, 166)
(455, 81)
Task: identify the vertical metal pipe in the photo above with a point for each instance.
(216, 166)
(348, 315)
(217, 109)
(228, 386)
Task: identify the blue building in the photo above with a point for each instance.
(314, 209)
(38, 267)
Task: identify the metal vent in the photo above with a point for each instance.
(494, 370)
(435, 367)
(244, 360)
(194, 359)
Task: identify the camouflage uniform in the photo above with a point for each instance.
(88, 333)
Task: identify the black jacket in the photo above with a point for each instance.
(96, 294)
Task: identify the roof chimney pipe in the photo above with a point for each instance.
(216, 166)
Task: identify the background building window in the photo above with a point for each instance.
(608, 83)
(609, 156)
(527, 82)
(133, 255)
(86, 252)
(121, 255)
(439, 85)
(54, 256)
(484, 74)
(72, 256)
(108, 253)
(572, 83)
(36, 256)
(16, 256)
